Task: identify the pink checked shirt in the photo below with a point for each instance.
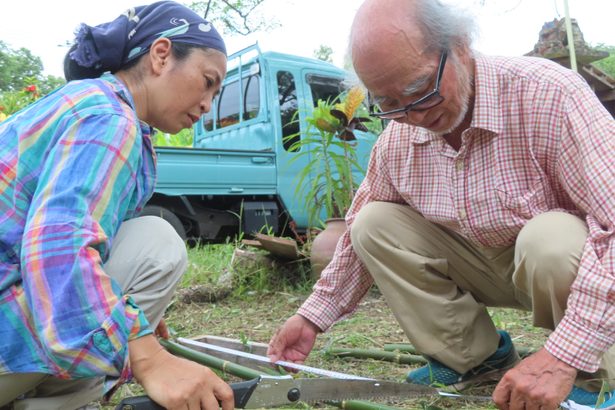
(539, 141)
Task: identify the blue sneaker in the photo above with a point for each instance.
(492, 369)
(588, 398)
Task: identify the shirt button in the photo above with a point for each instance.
(459, 165)
(462, 214)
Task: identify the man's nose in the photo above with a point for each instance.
(416, 118)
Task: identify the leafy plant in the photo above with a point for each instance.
(606, 64)
(330, 147)
(183, 138)
(13, 101)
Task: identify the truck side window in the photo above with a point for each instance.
(287, 96)
(251, 97)
(324, 88)
(227, 103)
(208, 117)
(228, 107)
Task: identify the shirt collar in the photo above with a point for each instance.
(487, 113)
(122, 91)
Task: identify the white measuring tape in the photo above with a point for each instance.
(290, 365)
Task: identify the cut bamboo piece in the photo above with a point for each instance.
(402, 358)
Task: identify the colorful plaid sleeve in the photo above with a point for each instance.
(81, 320)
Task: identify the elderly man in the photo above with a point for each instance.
(494, 184)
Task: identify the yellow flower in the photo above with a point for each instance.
(3, 116)
(353, 100)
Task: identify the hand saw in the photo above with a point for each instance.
(274, 391)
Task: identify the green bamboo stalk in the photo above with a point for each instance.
(408, 348)
(247, 373)
(360, 405)
(525, 351)
(395, 357)
(400, 347)
(210, 361)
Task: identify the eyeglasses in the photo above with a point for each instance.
(422, 104)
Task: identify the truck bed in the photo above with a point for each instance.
(198, 171)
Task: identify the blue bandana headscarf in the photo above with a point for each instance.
(111, 45)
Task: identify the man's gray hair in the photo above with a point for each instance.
(444, 26)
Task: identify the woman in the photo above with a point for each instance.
(83, 281)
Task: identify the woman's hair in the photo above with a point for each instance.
(74, 71)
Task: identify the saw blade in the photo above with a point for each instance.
(272, 392)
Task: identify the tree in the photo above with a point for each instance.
(234, 16)
(16, 66)
(20, 69)
(606, 64)
(324, 53)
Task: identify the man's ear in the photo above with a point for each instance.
(159, 54)
(464, 53)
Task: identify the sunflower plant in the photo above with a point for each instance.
(329, 142)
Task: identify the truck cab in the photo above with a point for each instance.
(240, 175)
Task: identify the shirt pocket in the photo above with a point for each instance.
(523, 197)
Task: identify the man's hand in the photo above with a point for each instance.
(541, 381)
(294, 341)
(176, 383)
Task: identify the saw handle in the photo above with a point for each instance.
(241, 392)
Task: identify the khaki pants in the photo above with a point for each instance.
(147, 260)
(437, 283)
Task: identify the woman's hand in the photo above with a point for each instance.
(162, 330)
(176, 383)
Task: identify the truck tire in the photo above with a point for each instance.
(168, 216)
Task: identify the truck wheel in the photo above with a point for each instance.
(168, 216)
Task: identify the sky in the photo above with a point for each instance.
(507, 27)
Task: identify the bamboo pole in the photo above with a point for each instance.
(408, 348)
(247, 373)
(400, 347)
(376, 354)
(210, 361)
(570, 35)
(360, 405)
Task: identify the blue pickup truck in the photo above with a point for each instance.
(239, 175)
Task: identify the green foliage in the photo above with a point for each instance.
(606, 64)
(234, 16)
(13, 101)
(183, 138)
(328, 144)
(324, 53)
(206, 264)
(20, 69)
(17, 67)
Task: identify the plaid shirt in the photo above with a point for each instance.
(73, 166)
(539, 141)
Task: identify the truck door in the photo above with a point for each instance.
(297, 94)
(290, 120)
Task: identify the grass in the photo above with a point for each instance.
(263, 297)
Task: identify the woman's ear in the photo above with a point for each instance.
(159, 54)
